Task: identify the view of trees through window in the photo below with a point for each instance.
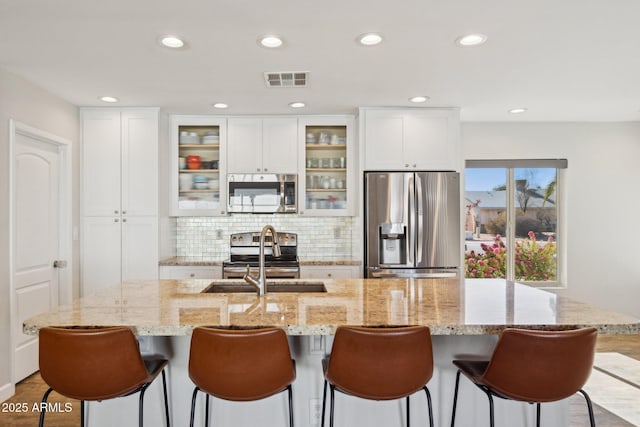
(511, 223)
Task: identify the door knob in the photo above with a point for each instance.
(59, 263)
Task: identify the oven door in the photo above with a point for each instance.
(272, 272)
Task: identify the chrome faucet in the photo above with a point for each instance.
(260, 282)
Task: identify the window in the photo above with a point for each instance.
(511, 220)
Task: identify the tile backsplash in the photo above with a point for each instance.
(319, 238)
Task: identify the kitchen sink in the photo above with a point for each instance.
(276, 286)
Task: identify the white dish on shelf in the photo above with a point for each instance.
(211, 139)
(189, 139)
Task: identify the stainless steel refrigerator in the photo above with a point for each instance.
(412, 224)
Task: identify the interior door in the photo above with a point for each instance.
(36, 242)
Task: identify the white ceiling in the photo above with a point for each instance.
(564, 60)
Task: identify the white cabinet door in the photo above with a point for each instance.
(139, 162)
(139, 248)
(416, 139)
(244, 150)
(101, 253)
(262, 145)
(383, 136)
(428, 142)
(100, 184)
(280, 145)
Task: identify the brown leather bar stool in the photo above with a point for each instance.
(534, 367)
(379, 364)
(97, 364)
(240, 365)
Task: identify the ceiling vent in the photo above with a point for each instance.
(286, 78)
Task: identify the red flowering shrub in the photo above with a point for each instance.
(534, 262)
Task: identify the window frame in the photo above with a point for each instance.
(510, 165)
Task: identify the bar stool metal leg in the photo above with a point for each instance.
(82, 413)
(206, 410)
(332, 389)
(193, 405)
(592, 420)
(455, 399)
(408, 412)
(491, 420)
(538, 414)
(166, 399)
(426, 390)
(289, 389)
(324, 401)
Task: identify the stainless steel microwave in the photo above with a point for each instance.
(262, 193)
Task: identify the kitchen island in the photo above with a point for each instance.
(464, 316)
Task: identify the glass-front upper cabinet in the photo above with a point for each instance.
(327, 186)
(197, 171)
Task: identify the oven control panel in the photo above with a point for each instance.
(252, 239)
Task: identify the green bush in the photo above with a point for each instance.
(497, 224)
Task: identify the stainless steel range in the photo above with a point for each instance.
(244, 250)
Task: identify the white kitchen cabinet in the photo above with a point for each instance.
(327, 166)
(198, 188)
(411, 139)
(119, 196)
(179, 272)
(116, 249)
(330, 272)
(119, 162)
(258, 145)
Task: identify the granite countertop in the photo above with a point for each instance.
(204, 261)
(447, 306)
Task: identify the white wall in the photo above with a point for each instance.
(601, 198)
(29, 104)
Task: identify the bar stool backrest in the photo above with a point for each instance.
(541, 366)
(91, 363)
(240, 365)
(381, 363)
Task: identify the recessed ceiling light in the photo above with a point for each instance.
(220, 105)
(369, 39)
(172, 41)
(418, 99)
(471, 40)
(297, 104)
(110, 99)
(270, 41)
(517, 110)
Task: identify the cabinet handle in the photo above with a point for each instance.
(258, 169)
(116, 220)
(414, 165)
(328, 274)
(406, 165)
(115, 212)
(265, 169)
(125, 212)
(124, 219)
(192, 275)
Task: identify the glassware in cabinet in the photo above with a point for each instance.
(326, 157)
(198, 179)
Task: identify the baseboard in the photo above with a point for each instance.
(6, 391)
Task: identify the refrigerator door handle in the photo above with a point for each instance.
(412, 220)
(386, 274)
(420, 218)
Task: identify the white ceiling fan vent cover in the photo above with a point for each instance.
(286, 78)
